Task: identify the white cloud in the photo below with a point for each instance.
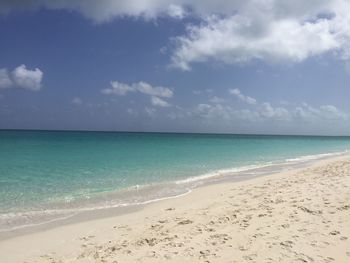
(238, 94)
(146, 88)
(232, 32)
(265, 112)
(21, 77)
(332, 112)
(121, 89)
(5, 81)
(305, 112)
(159, 102)
(176, 11)
(106, 10)
(225, 40)
(274, 31)
(118, 88)
(269, 112)
(324, 112)
(102, 11)
(209, 111)
(156, 93)
(77, 101)
(26, 78)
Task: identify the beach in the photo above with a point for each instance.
(301, 215)
(174, 131)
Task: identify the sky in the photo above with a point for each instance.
(240, 66)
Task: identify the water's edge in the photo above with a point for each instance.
(95, 210)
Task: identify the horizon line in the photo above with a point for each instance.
(169, 132)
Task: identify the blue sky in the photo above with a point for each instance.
(275, 67)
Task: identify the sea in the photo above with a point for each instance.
(47, 176)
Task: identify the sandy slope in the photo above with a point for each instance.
(300, 216)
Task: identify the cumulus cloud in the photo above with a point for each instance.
(156, 93)
(217, 112)
(5, 81)
(266, 113)
(238, 94)
(309, 113)
(159, 102)
(332, 112)
(102, 11)
(26, 78)
(176, 11)
(223, 110)
(108, 9)
(121, 89)
(118, 88)
(21, 77)
(277, 113)
(146, 88)
(214, 112)
(272, 31)
(233, 32)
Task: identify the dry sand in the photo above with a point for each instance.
(298, 216)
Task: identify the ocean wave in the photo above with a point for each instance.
(315, 156)
(255, 167)
(223, 172)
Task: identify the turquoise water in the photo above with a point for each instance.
(44, 171)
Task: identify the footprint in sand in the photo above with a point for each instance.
(185, 222)
(334, 233)
(288, 244)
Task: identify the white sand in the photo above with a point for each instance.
(299, 216)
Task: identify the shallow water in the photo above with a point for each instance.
(49, 175)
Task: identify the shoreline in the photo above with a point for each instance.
(237, 174)
(196, 206)
(222, 176)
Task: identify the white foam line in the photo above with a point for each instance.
(222, 172)
(237, 170)
(81, 210)
(315, 156)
